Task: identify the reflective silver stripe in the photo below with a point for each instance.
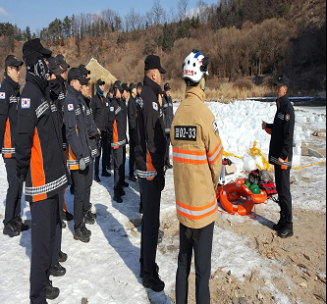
(95, 152)
(87, 160)
(166, 106)
(61, 96)
(78, 112)
(146, 174)
(281, 116)
(53, 108)
(118, 110)
(140, 102)
(14, 99)
(275, 161)
(167, 130)
(118, 144)
(8, 150)
(191, 157)
(88, 112)
(31, 191)
(197, 213)
(212, 158)
(41, 109)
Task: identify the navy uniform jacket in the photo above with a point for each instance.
(168, 108)
(118, 122)
(39, 155)
(150, 151)
(9, 99)
(78, 129)
(282, 133)
(100, 108)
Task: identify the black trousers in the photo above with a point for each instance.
(119, 169)
(44, 219)
(168, 148)
(131, 154)
(58, 240)
(105, 154)
(283, 185)
(14, 194)
(83, 182)
(202, 250)
(151, 197)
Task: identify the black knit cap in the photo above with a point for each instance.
(35, 46)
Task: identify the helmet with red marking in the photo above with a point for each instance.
(195, 67)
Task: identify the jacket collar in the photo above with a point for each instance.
(78, 95)
(197, 92)
(38, 82)
(62, 82)
(282, 101)
(13, 84)
(154, 86)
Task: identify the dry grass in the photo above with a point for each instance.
(240, 89)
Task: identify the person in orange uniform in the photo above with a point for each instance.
(197, 155)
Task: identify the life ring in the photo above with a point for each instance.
(241, 189)
(259, 198)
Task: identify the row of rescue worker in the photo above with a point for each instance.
(77, 132)
(42, 112)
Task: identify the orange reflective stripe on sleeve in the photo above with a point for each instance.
(149, 166)
(37, 171)
(196, 213)
(190, 157)
(7, 141)
(115, 134)
(213, 156)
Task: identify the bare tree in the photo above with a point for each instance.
(157, 11)
(204, 11)
(133, 21)
(182, 8)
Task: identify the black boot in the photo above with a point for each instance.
(160, 236)
(280, 224)
(106, 173)
(11, 230)
(66, 216)
(80, 236)
(118, 199)
(97, 178)
(20, 225)
(286, 232)
(64, 225)
(154, 283)
(125, 185)
(62, 257)
(122, 192)
(57, 271)
(169, 166)
(52, 292)
(89, 219)
(133, 179)
(86, 231)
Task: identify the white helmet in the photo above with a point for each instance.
(195, 66)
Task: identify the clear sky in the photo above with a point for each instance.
(39, 13)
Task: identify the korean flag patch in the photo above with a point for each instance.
(112, 109)
(70, 107)
(2, 95)
(287, 117)
(155, 106)
(26, 103)
(215, 126)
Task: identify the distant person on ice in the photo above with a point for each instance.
(197, 156)
(281, 155)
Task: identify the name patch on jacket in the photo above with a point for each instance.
(26, 103)
(215, 126)
(155, 106)
(2, 95)
(188, 133)
(70, 107)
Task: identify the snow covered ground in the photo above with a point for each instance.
(106, 270)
